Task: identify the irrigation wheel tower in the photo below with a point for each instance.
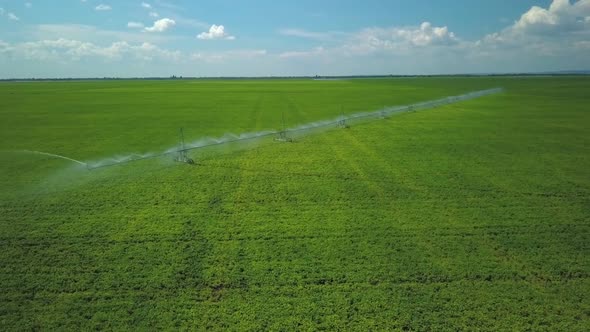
(182, 155)
(282, 135)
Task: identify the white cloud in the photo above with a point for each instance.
(161, 25)
(135, 25)
(146, 5)
(554, 37)
(562, 19)
(554, 31)
(399, 39)
(67, 50)
(154, 14)
(215, 32)
(102, 7)
(376, 41)
(561, 16)
(541, 39)
(425, 35)
(75, 50)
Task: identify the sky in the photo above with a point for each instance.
(129, 38)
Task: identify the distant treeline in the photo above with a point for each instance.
(565, 73)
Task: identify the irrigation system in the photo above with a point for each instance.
(180, 153)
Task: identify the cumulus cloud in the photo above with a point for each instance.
(554, 37)
(135, 25)
(561, 19)
(146, 5)
(161, 25)
(542, 38)
(66, 50)
(429, 35)
(75, 50)
(553, 31)
(559, 31)
(560, 16)
(154, 14)
(376, 40)
(215, 32)
(102, 7)
(399, 39)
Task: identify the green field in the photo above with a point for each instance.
(471, 216)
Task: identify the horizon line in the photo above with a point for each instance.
(180, 77)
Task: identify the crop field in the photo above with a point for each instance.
(469, 216)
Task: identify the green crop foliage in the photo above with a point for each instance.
(470, 216)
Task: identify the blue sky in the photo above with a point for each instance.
(128, 38)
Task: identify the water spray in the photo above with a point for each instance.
(56, 156)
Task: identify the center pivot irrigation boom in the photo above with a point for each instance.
(181, 153)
